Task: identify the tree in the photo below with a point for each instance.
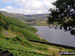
(65, 9)
(63, 14)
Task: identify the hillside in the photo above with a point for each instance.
(29, 19)
(37, 19)
(15, 36)
(37, 16)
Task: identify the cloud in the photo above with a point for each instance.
(9, 8)
(30, 6)
(6, 1)
(34, 4)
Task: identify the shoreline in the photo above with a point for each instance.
(54, 44)
(58, 45)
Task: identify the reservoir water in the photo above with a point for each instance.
(56, 36)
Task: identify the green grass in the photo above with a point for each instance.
(19, 47)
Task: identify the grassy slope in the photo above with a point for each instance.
(18, 43)
(15, 39)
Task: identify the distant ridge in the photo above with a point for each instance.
(23, 17)
(15, 15)
(37, 16)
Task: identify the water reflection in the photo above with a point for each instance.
(71, 29)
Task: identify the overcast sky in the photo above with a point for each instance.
(26, 6)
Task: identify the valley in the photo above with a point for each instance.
(15, 36)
